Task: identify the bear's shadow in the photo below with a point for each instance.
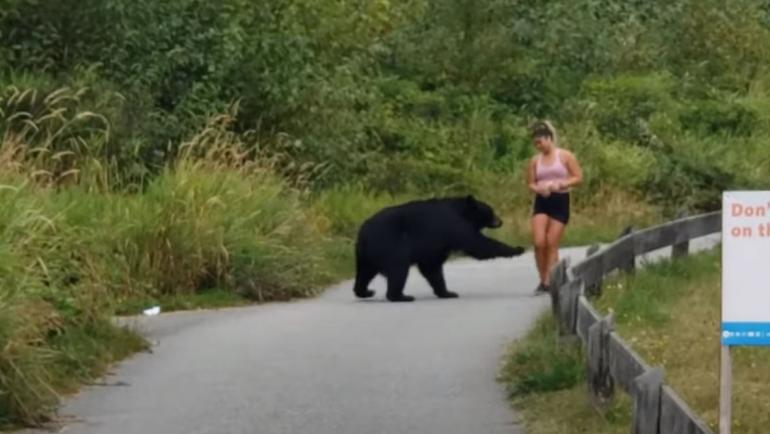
(423, 297)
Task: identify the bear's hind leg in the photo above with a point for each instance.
(364, 275)
(434, 274)
(396, 280)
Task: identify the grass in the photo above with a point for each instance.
(85, 353)
(540, 363)
(213, 229)
(72, 259)
(670, 314)
(34, 374)
(568, 411)
(546, 382)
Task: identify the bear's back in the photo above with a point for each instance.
(417, 211)
(413, 219)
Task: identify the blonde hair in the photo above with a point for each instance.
(544, 128)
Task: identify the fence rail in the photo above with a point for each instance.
(612, 363)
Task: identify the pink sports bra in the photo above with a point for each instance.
(556, 171)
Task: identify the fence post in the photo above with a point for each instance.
(630, 266)
(600, 384)
(558, 278)
(676, 417)
(647, 402)
(680, 249)
(595, 289)
(569, 295)
(591, 250)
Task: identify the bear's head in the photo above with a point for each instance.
(480, 214)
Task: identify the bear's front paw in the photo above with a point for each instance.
(516, 251)
(447, 294)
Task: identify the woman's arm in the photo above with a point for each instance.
(574, 169)
(531, 182)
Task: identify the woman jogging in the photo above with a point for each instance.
(551, 175)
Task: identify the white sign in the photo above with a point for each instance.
(746, 268)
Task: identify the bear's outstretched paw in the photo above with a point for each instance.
(400, 298)
(447, 294)
(516, 251)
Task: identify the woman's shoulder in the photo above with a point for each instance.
(566, 154)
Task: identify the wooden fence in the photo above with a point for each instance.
(611, 361)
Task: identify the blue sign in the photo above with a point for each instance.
(746, 333)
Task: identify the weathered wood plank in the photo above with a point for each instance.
(569, 298)
(625, 364)
(591, 272)
(629, 265)
(558, 278)
(586, 317)
(646, 414)
(680, 249)
(619, 255)
(705, 224)
(600, 381)
(588, 264)
(677, 417)
(592, 250)
(676, 232)
(654, 238)
(559, 272)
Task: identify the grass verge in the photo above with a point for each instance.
(546, 382)
(670, 314)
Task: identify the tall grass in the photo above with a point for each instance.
(49, 139)
(74, 250)
(215, 219)
(43, 298)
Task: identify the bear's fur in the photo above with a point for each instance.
(424, 233)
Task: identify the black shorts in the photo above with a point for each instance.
(555, 206)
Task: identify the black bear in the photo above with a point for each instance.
(424, 232)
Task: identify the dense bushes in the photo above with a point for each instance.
(442, 90)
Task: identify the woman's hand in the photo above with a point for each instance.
(544, 189)
(557, 186)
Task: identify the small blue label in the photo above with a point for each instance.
(746, 333)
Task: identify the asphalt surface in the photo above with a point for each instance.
(330, 365)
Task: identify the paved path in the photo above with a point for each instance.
(330, 365)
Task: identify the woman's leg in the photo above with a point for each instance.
(554, 234)
(540, 242)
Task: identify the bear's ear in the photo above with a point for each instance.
(470, 199)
